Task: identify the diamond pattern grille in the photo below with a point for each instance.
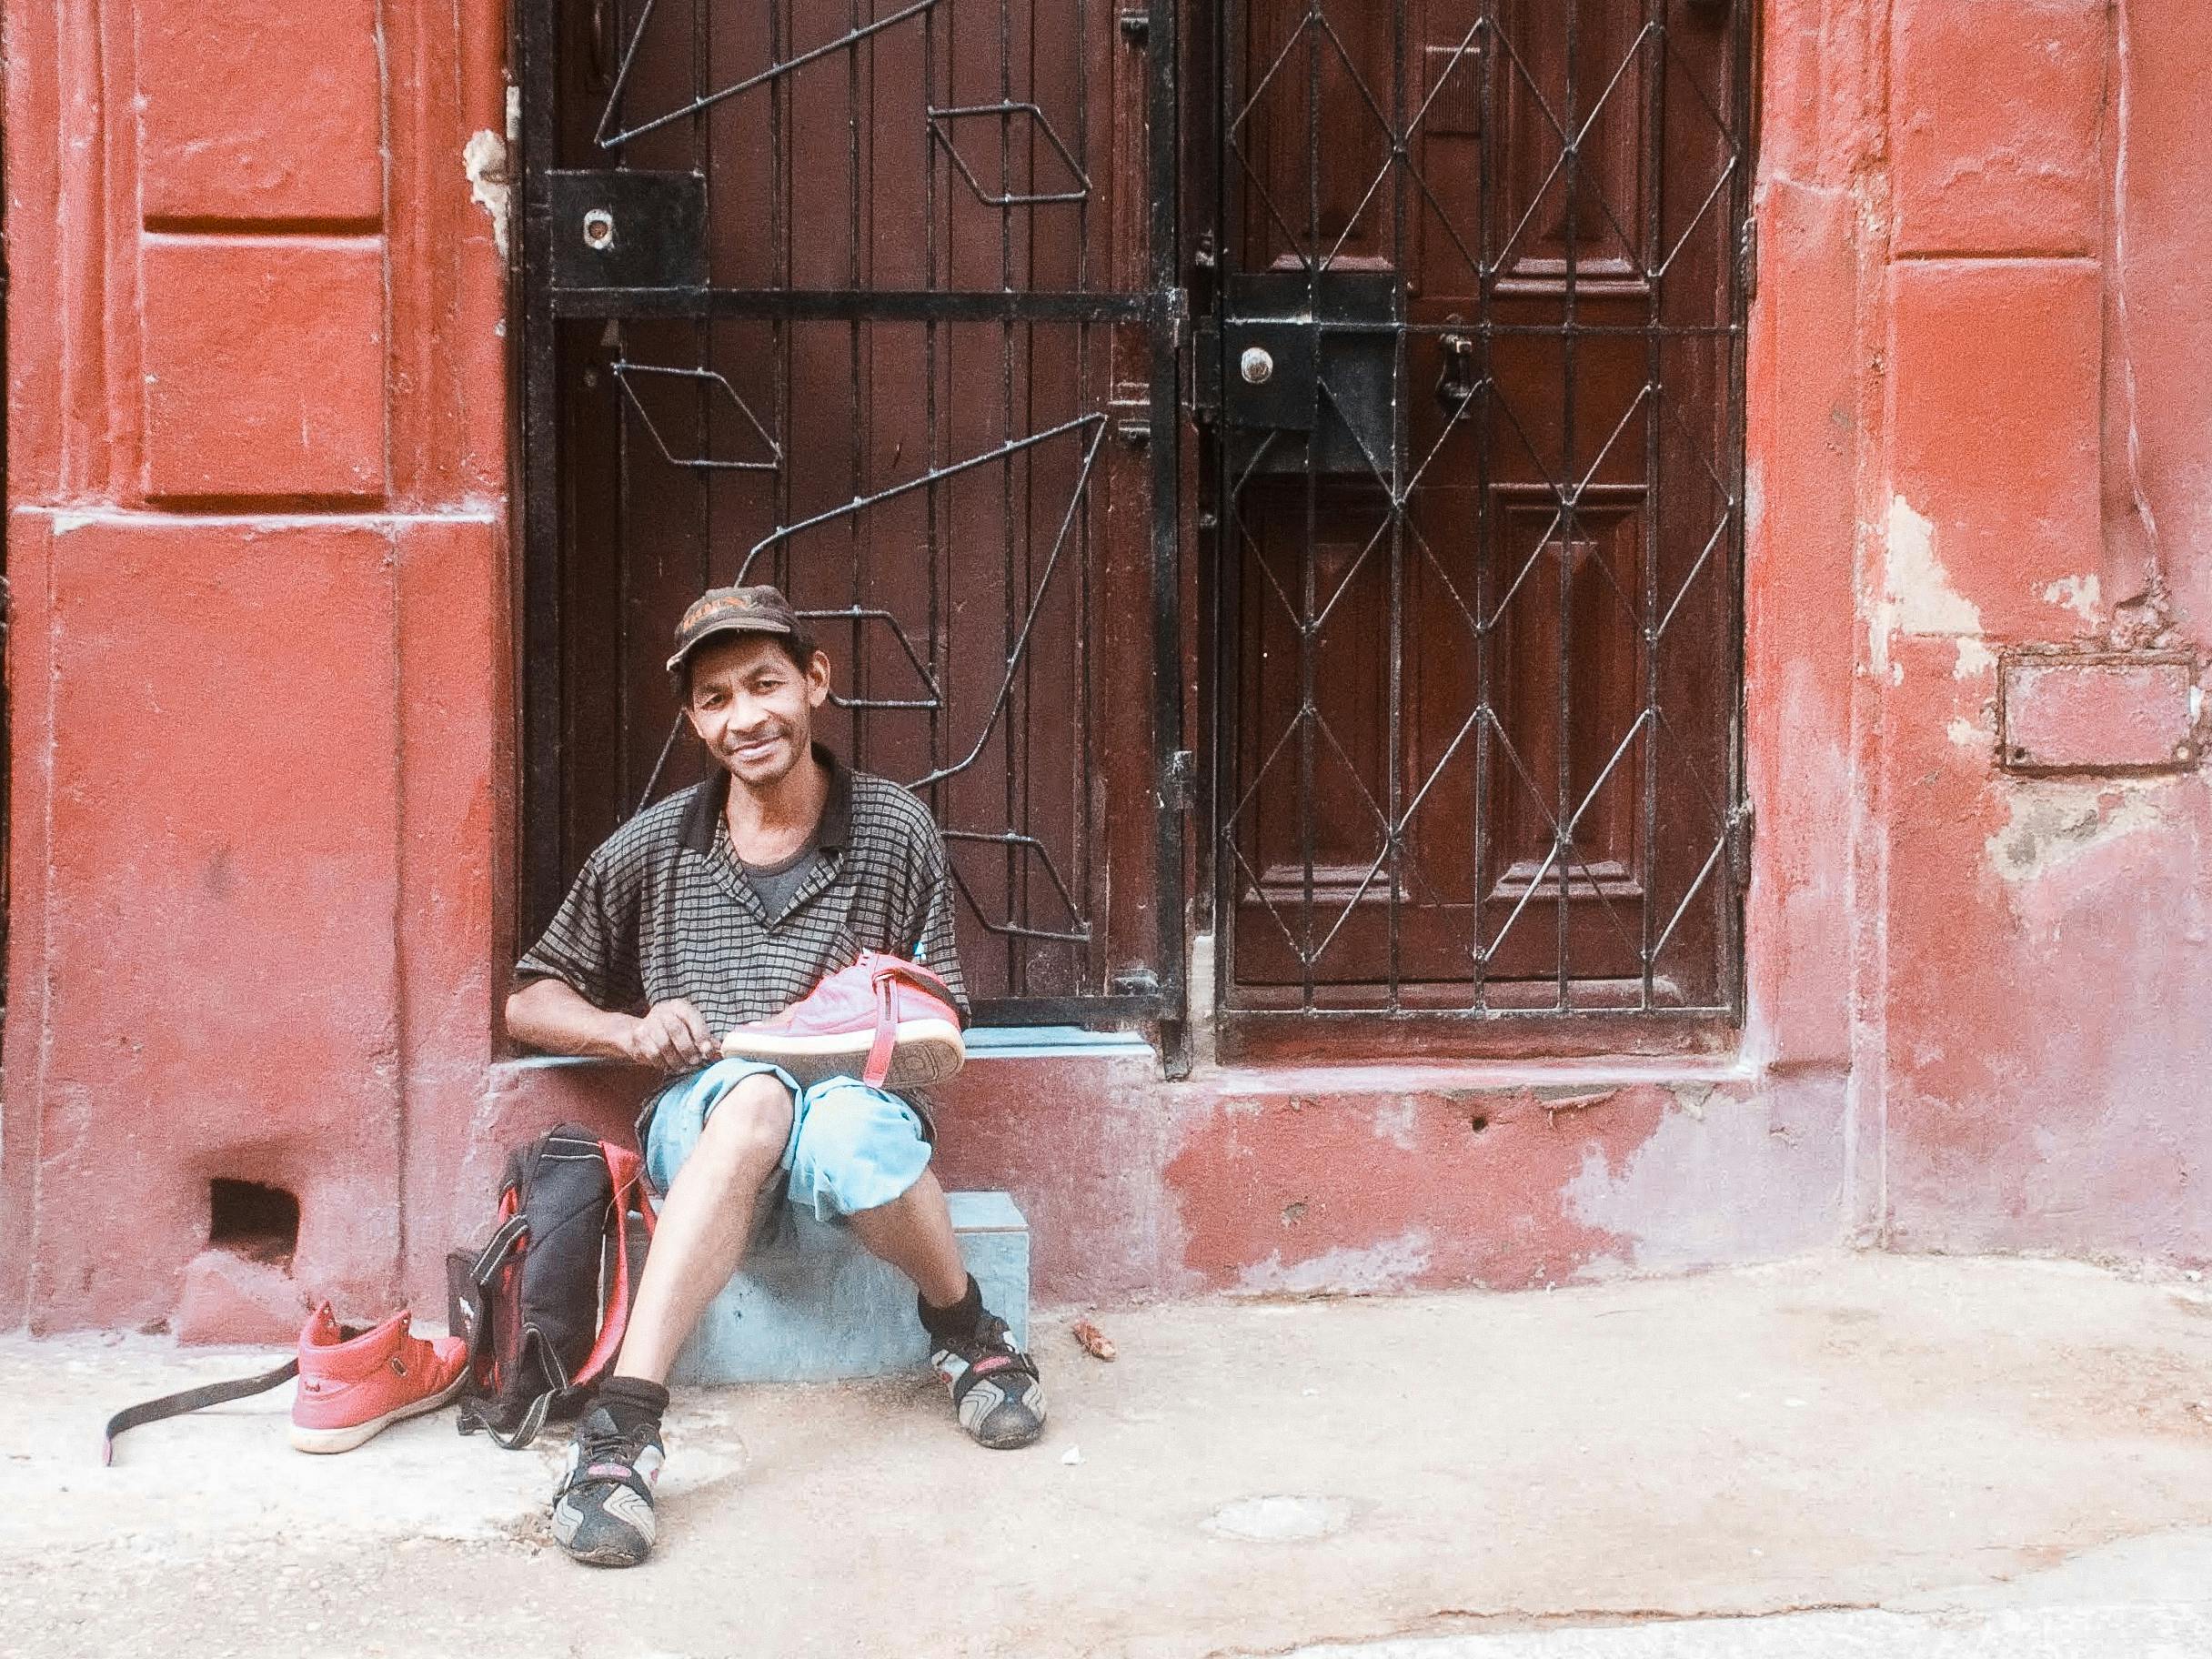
(1480, 663)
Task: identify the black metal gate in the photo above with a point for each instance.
(1475, 505)
(885, 300)
(876, 299)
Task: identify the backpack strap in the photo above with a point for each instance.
(513, 1229)
(469, 1298)
(190, 1400)
(469, 1304)
(474, 1419)
(627, 1171)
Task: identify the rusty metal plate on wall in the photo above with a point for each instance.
(2120, 712)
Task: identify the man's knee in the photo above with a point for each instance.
(749, 1125)
(857, 1150)
(838, 1128)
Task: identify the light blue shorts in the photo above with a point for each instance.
(850, 1147)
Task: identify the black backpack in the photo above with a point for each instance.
(544, 1304)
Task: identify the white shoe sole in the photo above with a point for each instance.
(923, 1051)
(346, 1439)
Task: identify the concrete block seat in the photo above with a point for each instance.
(810, 1305)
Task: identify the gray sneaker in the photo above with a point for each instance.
(603, 1508)
(996, 1392)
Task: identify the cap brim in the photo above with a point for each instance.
(731, 627)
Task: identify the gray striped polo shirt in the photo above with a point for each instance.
(663, 909)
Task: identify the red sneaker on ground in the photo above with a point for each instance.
(883, 1020)
(351, 1388)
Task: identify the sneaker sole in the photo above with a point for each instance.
(605, 1556)
(1010, 1443)
(926, 1052)
(346, 1439)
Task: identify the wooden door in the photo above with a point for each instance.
(867, 300)
(1478, 681)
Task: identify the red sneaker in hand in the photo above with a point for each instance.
(883, 1020)
(354, 1387)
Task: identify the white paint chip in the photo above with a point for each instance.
(1975, 659)
(484, 158)
(1392, 1265)
(2079, 594)
(1921, 600)
(1395, 1122)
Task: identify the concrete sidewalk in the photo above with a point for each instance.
(1859, 1456)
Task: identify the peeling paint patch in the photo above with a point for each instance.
(1975, 659)
(1921, 600)
(1967, 734)
(2053, 823)
(2080, 594)
(1392, 1265)
(1395, 1122)
(1660, 1199)
(484, 158)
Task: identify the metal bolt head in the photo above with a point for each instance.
(598, 228)
(1257, 367)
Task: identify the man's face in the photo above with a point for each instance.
(752, 709)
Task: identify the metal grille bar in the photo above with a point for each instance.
(1477, 666)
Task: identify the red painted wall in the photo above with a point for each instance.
(2048, 1018)
(261, 683)
(259, 671)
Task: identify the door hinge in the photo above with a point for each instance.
(1137, 24)
(1136, 983)
(1175, 312)
(1130, 411)
(1742, 826)
(1205, 370)
(1747, 258)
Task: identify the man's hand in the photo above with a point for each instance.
(671, 1035)
(551, 1015)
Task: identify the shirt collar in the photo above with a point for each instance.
(833, 833)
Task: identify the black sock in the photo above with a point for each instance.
(633, 1403)
(958, 1319)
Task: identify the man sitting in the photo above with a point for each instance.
(724, 904)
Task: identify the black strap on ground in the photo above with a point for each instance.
(191, 1400)
(476, 1418)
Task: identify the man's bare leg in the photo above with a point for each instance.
(603, 1508)
(996, 1392)
(705, 1221)
(913, 1233)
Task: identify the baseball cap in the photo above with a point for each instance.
(732, 610)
